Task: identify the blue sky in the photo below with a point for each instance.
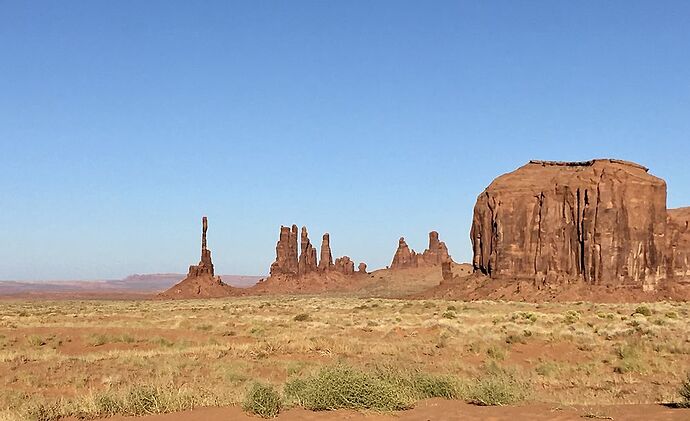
(122, 123)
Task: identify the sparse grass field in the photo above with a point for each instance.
(99, 358)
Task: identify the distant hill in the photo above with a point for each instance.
(131, 286)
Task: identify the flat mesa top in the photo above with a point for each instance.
(587, 163)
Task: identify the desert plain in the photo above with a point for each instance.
(433, 359)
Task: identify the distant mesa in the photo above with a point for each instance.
(201, 281)
(406, 258)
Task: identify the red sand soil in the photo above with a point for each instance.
(440, 410)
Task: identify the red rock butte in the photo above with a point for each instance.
(599, 222)
(406, 258)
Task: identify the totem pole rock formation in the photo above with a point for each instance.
(362, 268)
(288, 264)
(326, 261)
(201, 281)
(205, 266)
(406, 258)
(601, 222)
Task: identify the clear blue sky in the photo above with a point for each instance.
(123, 122)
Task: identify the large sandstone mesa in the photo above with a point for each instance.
(602, 222)
(678, 232)
(288, 263)
(406, 258)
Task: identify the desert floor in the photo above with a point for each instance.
(439, 359)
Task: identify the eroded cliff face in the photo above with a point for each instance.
(602, 222)
(678, 233)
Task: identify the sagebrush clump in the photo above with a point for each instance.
(263, 400)
(684, 393)
(497, 387)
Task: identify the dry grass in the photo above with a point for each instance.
(62, 357)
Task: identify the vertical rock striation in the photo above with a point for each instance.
(602, 222)
(678, 233)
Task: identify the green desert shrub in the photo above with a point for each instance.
(107, 404)
(342, 386)
(42, 411)
(450, 314)
(382, 388)
(145, 400)
(629, 358)
(684, 393)
(262, 400)
(35, 340)
(571, 316)
(498, 386)
(302, 317)
(433, 386)
(643, 310)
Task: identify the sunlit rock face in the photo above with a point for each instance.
(602, 222)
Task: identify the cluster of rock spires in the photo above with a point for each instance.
(293, 264)
(406, 258)
(600, 222)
